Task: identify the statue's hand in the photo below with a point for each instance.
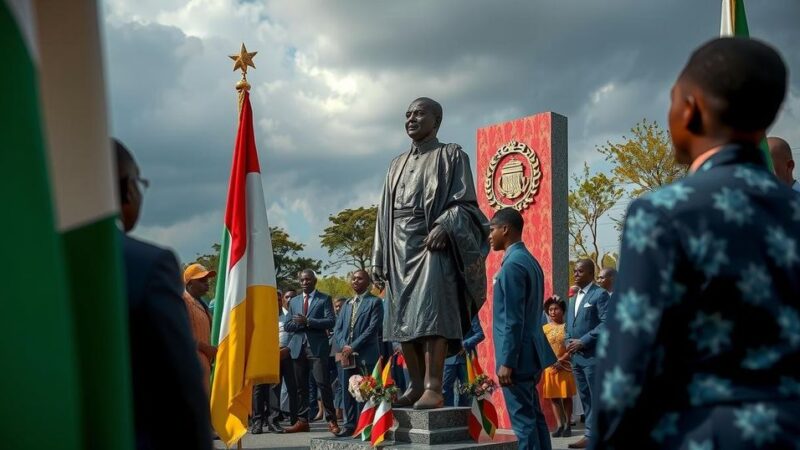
(377, 274)
(437, 239)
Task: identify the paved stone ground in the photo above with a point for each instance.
(300, 441)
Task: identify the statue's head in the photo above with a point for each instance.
(423, 118)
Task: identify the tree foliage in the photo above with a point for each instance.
(590, 199)
(211, 262)
(335, 286)
(350, 236)
(645, 160)
(287, 262)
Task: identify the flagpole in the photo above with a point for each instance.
(241, 61)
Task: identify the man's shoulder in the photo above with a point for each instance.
(139, 250)
(144, 259)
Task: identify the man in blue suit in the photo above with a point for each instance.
(702, 348)
(170, 405)
(455, 367)
(586, 315)
(357, 332)
(312, 317)
(521, 348)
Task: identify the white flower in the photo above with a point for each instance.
(711, 333)
(642, 231)
(757, 179)
(619, 390)
(635, 313)
(781, 247)
(755, 284)
(757, 423)
(734, 205)
(669, 196)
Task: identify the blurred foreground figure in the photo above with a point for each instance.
(703, 343)
(170, 405)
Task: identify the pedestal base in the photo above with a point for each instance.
(435, 429)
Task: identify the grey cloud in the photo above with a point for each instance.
(172, 98)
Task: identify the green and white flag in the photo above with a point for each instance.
(64, 342)
(733, 22)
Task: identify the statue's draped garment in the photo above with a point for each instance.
(431, 293)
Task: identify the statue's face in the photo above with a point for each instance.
(420, 121)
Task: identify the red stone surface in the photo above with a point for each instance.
(535, 131)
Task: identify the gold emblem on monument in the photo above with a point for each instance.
(513, 184)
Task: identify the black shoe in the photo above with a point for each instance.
(346, 432)
(559, 432)
(567, 432)
(256, 427)
(274, 428)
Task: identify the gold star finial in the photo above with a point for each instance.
(243, 59)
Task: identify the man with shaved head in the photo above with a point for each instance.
(782, 159)
(430, 249)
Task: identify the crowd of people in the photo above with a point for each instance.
(662, 355)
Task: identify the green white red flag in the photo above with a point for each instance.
(733, 22)
(246, 314)
(63, 295)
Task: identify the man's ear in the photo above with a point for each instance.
(692, 116)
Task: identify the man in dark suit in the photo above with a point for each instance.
(586, 315)
(703, 338)
(170, 406)
(312, 317)
(455, 367)
(356, 333)
(521, 348)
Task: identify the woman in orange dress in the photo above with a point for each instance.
(559, 383)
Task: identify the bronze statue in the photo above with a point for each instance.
(430, 248)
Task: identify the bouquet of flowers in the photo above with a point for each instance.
(366, 387)
(480, 386)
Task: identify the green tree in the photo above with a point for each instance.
(350, 236)
(211, 262)
(287, 262)
(589, 200)
(645, 160)
(335, 286)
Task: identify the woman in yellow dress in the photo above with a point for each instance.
(559, 383)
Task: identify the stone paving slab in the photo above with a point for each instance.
(302, 441)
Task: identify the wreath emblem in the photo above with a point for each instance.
(513, 184)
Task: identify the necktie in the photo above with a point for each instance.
(305, 304)
(354, 308)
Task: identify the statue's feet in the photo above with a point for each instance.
(430, 400)
(408, 398)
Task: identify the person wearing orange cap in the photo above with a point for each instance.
(195, 278)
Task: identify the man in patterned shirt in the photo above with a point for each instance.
(702, 341)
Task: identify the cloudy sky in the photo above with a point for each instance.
(334, 78)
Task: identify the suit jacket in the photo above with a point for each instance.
(589, 322)
(705, 311)
(519, 342)
(170, 404)
(366, 331)
(320, 319)
(471, 340)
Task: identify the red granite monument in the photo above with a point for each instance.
(522, 163)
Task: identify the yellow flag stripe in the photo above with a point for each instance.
(247, 356)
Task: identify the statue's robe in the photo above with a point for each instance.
(431, 293)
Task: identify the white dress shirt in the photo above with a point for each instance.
(579, 297)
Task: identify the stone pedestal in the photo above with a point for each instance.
(435, 429)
